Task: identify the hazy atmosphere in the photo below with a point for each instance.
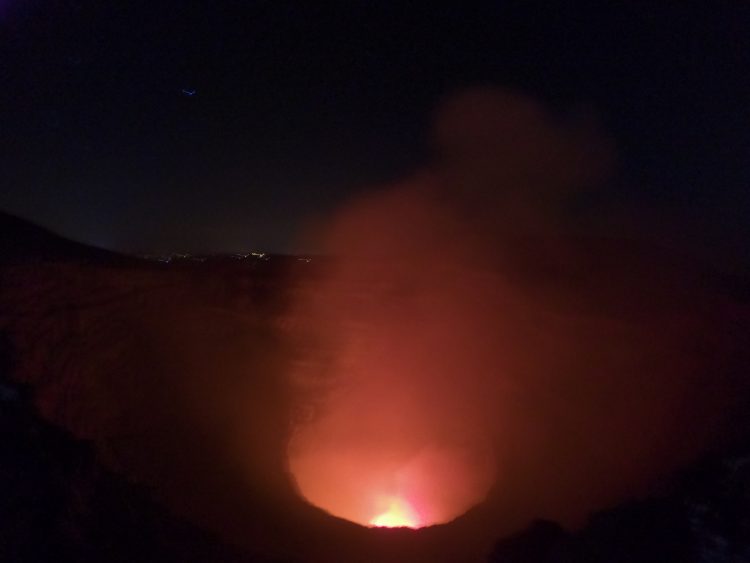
(367, 282)
(216, 127)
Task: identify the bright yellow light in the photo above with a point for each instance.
(399, 515)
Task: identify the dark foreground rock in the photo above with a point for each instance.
(706, 518)
(58, 504)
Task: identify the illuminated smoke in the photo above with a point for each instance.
(466, 343)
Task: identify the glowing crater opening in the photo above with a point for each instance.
(399, 514)
(381, 484)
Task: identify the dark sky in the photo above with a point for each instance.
(224, 125)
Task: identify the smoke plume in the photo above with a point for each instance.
(471, 342)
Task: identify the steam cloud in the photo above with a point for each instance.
(475, 341)
(470, 341)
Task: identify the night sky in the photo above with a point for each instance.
(227, 125)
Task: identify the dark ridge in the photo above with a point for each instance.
(22, 242)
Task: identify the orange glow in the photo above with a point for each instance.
(472, 342)
(389, 480)
(399, 515)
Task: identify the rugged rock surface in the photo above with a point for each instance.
(705, 518)
(60, 504)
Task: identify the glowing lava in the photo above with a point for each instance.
(379, 483)
(400, 514)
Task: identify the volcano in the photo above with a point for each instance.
(188, 380)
